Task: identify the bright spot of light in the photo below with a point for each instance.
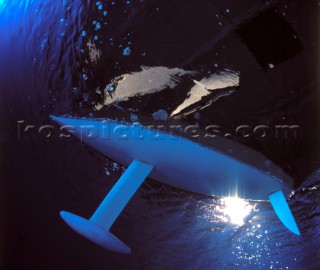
(2, 4)
(236, 209)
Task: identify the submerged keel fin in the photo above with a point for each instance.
(281, 207)
(97, 228)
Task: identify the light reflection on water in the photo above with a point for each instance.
(236, 209)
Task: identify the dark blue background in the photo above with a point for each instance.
(41, 72)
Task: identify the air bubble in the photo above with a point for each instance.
(126, 51)
(98, 26)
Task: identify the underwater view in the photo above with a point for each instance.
(247, 69)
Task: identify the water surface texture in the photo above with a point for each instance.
(204, 62)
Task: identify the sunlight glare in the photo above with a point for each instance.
(236, 209)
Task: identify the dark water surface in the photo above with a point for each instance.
(257, 58)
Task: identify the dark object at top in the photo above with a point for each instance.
(270, 38)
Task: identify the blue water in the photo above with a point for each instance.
(57, 57)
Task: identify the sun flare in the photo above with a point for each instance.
(236, 209)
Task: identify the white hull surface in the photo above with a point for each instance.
(177, 161)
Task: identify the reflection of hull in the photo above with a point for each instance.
(175, 160)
